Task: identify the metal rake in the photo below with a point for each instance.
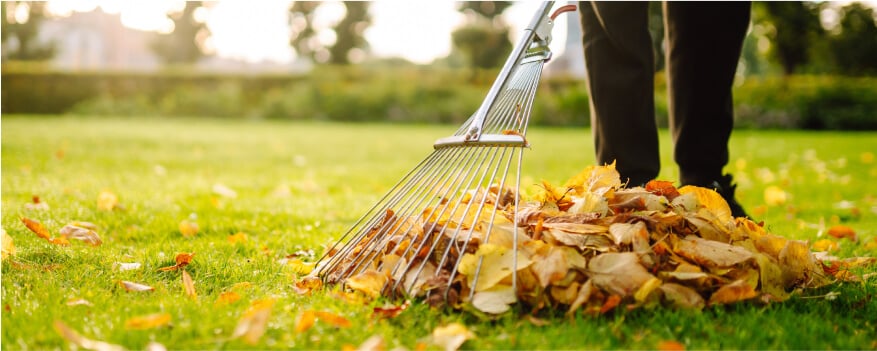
(451, 202)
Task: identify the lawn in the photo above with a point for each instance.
(293, 187)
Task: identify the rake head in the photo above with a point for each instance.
(422, 237)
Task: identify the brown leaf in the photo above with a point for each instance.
(663, 188)
(136, 287)
(41, 231)
(611, 302)
(681, 296)
(390, 311)
(711, 253)
(739, 290)
(189, 285)
(75, 338)
(152, 321)
(254, 322)
(618, 273)
(182, 260)
(370, 282)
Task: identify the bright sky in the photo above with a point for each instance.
(419, 31)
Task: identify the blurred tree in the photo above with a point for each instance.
(350, 43)
(794, 28)
(184, 44)
(484, 40)
(854, 47)
(20, 31)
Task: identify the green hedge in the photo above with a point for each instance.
(404, 94)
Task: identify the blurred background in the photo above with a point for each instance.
(805, 65)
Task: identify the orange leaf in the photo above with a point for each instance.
(189, 285)
(37, 228)
(668, 345)
(227, 298)
(333, 319)
(739, 290)
(254, 322)
(663, 188)
(131, 286)
(611, 302)
(842, 231)
(151, 321)
(182, 260)
(238, 238)
(305, 321)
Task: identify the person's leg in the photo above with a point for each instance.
(704, 41)
(620, 74)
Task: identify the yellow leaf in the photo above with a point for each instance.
(301, 267)
(151, 321)
(189, 285)
(75, 338)
(451, 336)
(254, 322)
(107, 201)
(188, 227)
(227, 297)
(370, 282)
(600, 180)
(646, 289)
(238, 238)
(867, 157)
(799, 267)
(824, 245)
(305, 321)
(496, 264)
(774, 196)
(733, 292)
(710, 200)
(8, 246)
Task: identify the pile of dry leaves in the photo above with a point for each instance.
(594, 245)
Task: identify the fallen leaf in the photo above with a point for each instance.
(842, 231)
(305, 321)
(107, 201)
(774, 196)
(188, 227)
(739, 290)
(496, 263)
(78, 231)
(41, 231)
(618, 273)
(451, 336)
(712, 253)
(152, 321)
(227, 297)
(189, 285)
(332, 319)
(36, 205)
(611, 302)
(299, 266)
(136, 287)
(127, 266)
(78, 302)
(494, 301)
(681, 296)
(154, 346)
(238, 238)
(224, 191)
(7, 243)
(374, 343)
(669, 345)
(181, 259)
(370, 282)
(390, 311)
(254, 322)
(75, 338)
(824, 245)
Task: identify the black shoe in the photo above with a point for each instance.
(724, 187)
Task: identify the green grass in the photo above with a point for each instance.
(164, 170)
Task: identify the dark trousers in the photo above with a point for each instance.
(704, 40)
